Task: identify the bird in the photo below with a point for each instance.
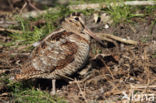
(61, 53)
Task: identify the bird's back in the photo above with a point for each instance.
(60, 53)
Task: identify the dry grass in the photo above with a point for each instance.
(129, 72)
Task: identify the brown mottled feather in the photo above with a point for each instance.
(60, 53)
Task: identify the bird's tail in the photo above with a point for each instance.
(27, 71)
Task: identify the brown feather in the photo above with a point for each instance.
(60, 53)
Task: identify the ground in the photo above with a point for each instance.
(111, 72)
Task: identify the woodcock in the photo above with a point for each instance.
(59, 54)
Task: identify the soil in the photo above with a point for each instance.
(109, 71)
(115, 70)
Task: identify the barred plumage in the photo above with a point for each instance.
(61, 53)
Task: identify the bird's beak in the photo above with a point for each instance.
(86, 30)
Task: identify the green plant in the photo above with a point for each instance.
(24, 92)
(152, 26)
(35, 96)
(149, 10)
(30, 36)
(119, 13)
(154, 55)
(75, 2)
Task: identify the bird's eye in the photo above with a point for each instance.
(77, 19)
(70, 20)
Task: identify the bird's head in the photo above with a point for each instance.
(74, 23)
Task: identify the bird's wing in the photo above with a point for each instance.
(54, 52)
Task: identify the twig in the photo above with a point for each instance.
(81, 91)
(23, 7)
(87, 6)
(11, 30)
(20, 54)
(10, 4)
(113, 92)
(38, 13)
(105, 5)
(6, 24)
(142, 86)
(28, 2)
(2, 71)
(33, 6)
(4, 67)
(66, 77)
(137, 3)
(110, 40)
(132, 28)
(108, 69)
(109, 36)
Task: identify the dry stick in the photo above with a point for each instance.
(81, 91)
(2, 71)
(104, 36)
(113, 92)
(108, 69)
(105, 5)
(20, 54)
(109, 40)
(23, 7)
(11, 30)
(115, 87)
(29, 14)
(144, 3)
(6, 24)
(38, 13)
(66, 77)
(140, 87)
(33, 6)
(10, 4)
(146, 68)
(143, 86)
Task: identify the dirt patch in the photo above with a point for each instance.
(115, 71)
